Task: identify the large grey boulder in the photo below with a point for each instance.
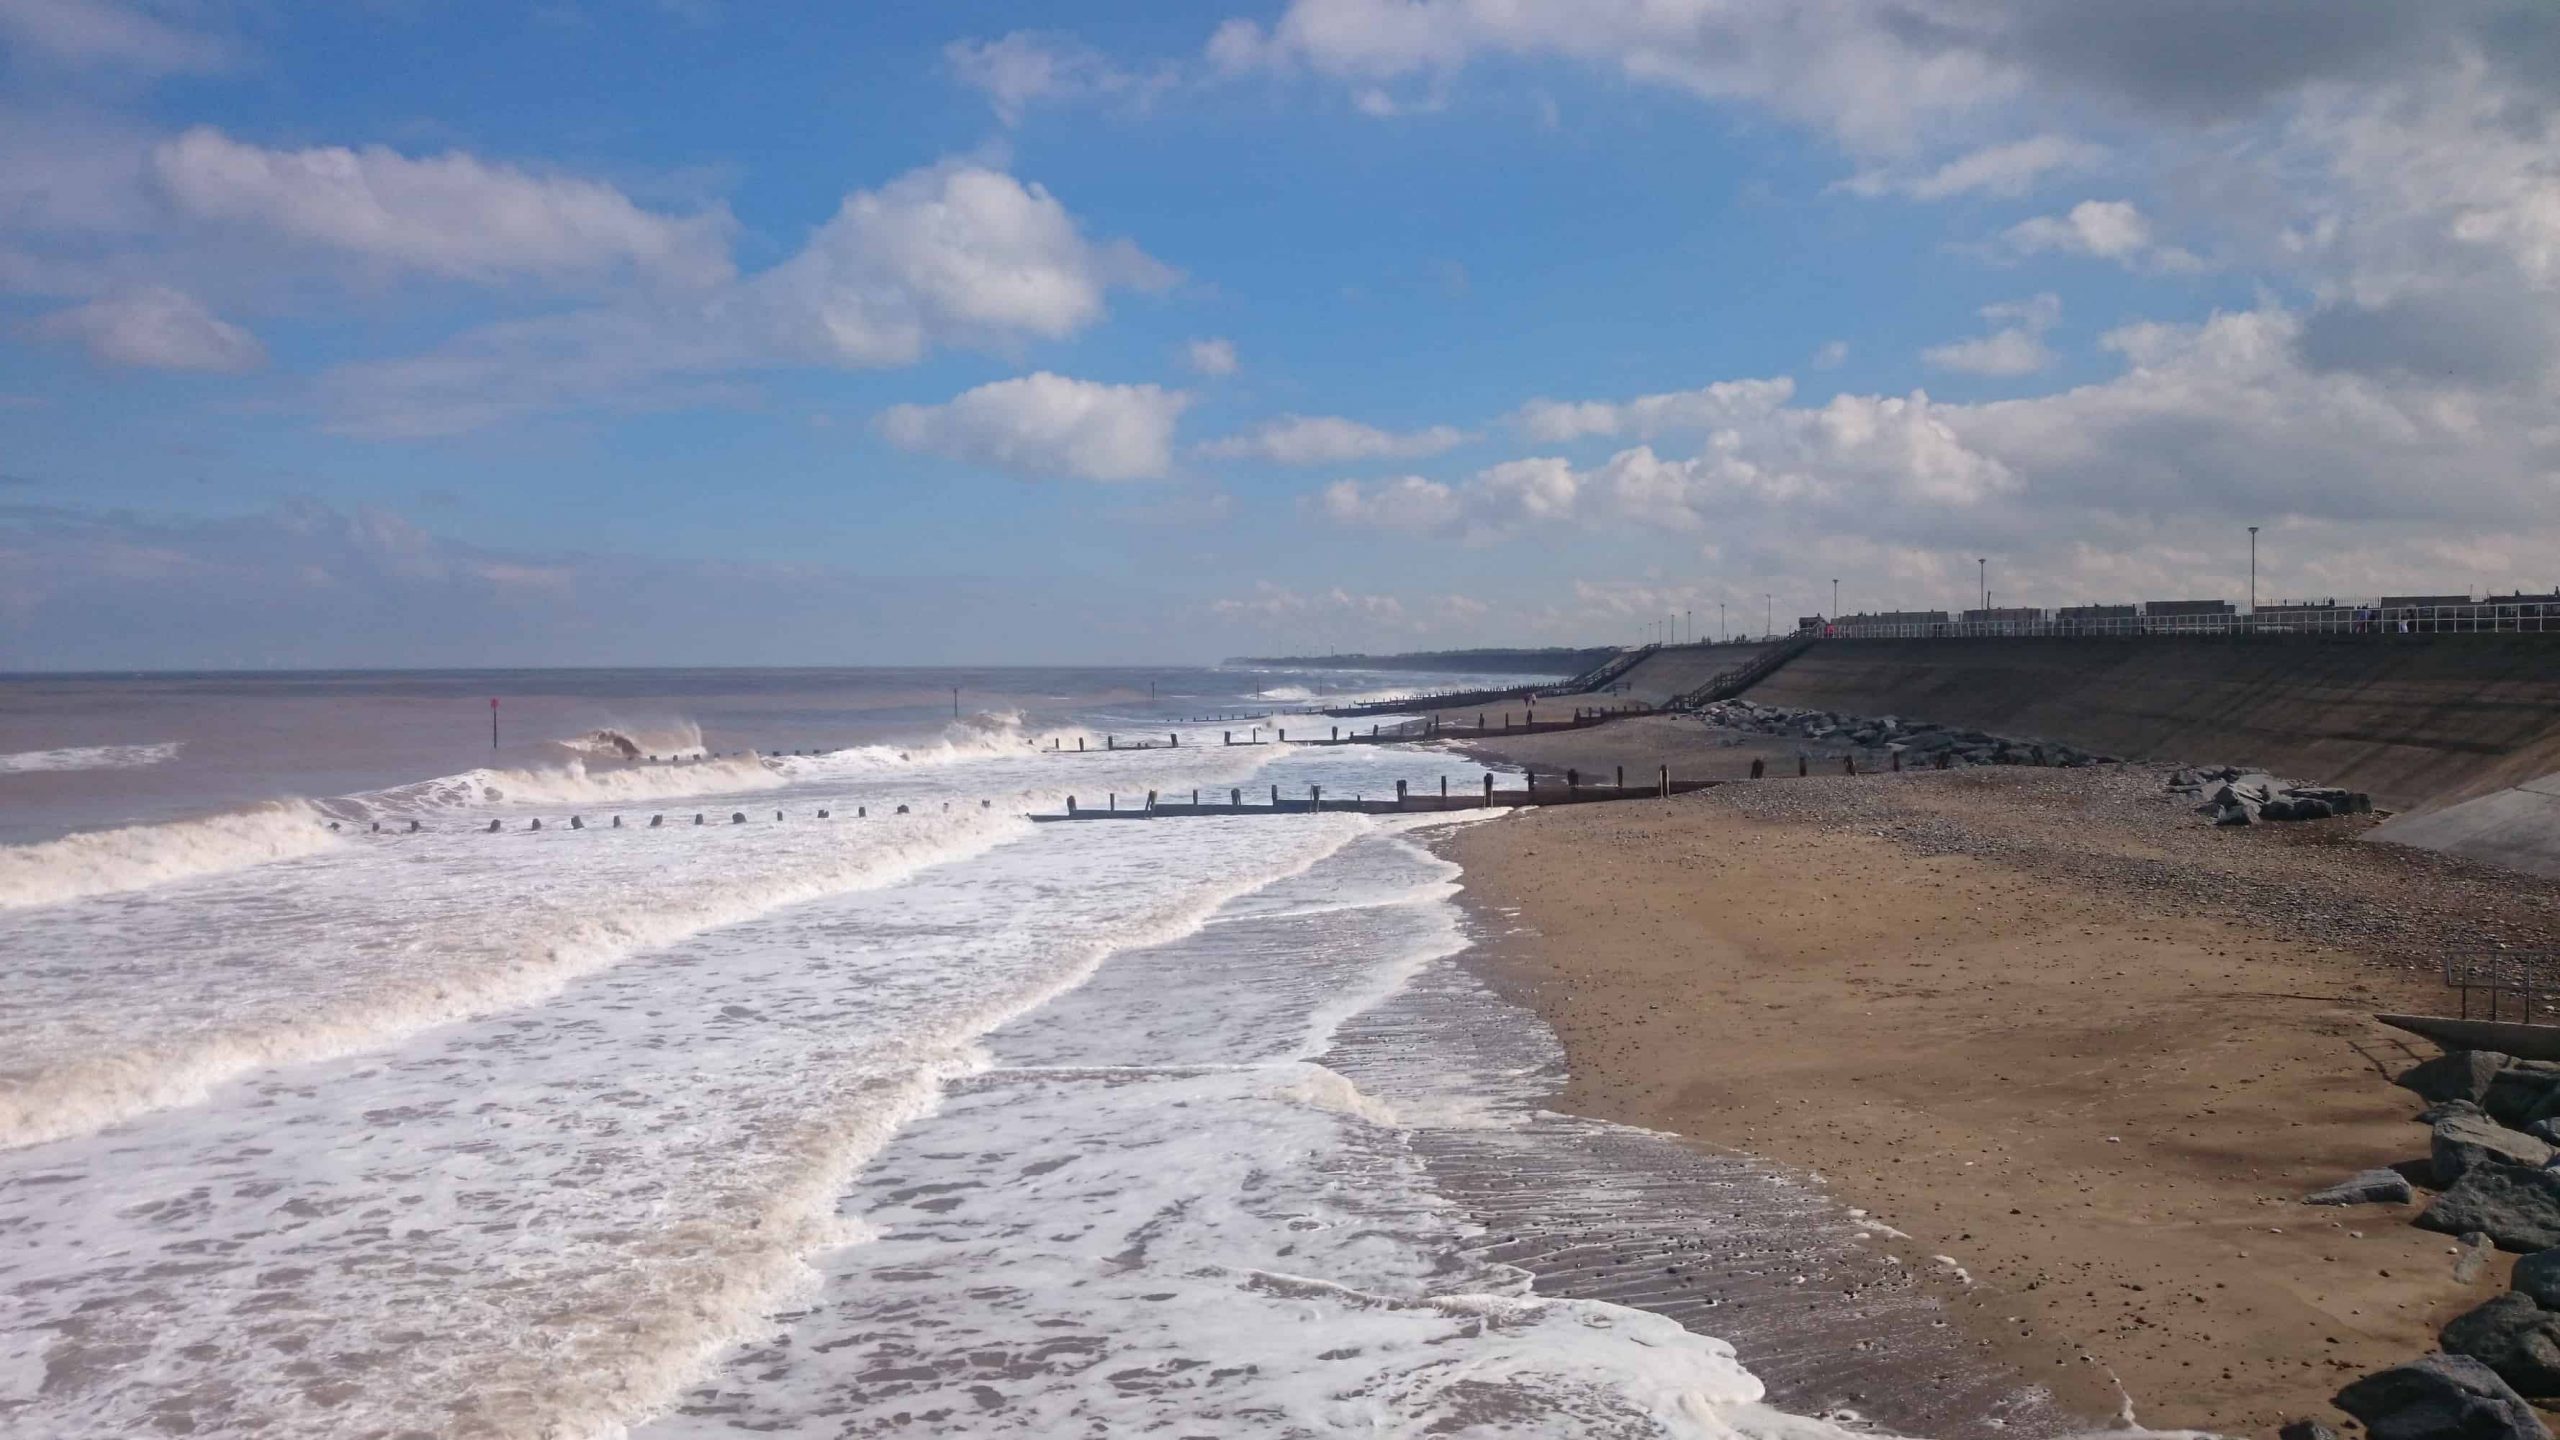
(2518, 1209)
(2443, 1108)
(2538, 1275)
(2518, 1097)
(2440, 1397)
(2372, 1187)
(2515, 1337)
(2460, 1142)
(2454, 1075)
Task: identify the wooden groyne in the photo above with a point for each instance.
(1566, 789)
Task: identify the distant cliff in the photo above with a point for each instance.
(1558, 662)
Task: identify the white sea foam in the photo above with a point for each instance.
(573, 784)
(986, 735)
(504, 931)
(831, 1112)
(621, 741)
(90, 757)
(408, 931)
(108, 862)
(562, 1214)
(1191, 1232)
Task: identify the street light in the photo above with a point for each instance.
(1985, 572)
(2253, 570)
(1723, 630)
(1768, 613)
(1835, 599)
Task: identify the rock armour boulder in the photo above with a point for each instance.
(2514, 1336)
(2441, 1397)
(2460, 1142)
(2518, 1209)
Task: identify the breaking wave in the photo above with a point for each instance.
(90, 757)
(631, 742)
(104, 862)
(477, 964)
(575, 783)
(987, 735)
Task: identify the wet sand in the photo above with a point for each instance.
(2085, 1053)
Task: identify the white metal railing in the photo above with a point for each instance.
(2479, 618)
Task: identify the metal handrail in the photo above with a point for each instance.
(2502, 970)
(2486, 617)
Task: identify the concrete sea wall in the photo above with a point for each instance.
(2419, 722)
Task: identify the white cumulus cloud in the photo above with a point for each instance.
(1213, 356)
(156, 328)
(2005, 170)
(1046, 424)
(1706, 408)
(2014, 347)
(950, 255)
(1495, 502)
(1029, 67)
(451, 215)
(105, 33)
(1331, 440)
(2114, 230)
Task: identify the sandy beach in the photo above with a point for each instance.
(2083, 1052)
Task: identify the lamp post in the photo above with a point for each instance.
(1835, 600)
(1768, 613)
(2253, 570)
(1984, 571)
(1723, 630)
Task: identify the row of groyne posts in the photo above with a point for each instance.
(1428, 728)
(656, 822)
(1569, 788)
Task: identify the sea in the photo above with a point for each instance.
(726, 1053)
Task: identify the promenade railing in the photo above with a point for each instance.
(2528, 973)
(2486, 617)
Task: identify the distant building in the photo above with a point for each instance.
(1808, 622)
(2412, 602)
(2159, 609)
(2097, 612)
(2004, 615)
(1897, 617)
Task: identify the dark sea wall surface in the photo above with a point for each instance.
(2418, 722)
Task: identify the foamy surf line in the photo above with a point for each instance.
(715, 1217)
(1257, 1219)
(137, 857)
(573, 784)
(106, 862)
(90, 757)
(782, 1270)
(99, 1090)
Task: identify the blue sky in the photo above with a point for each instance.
(688, 331)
